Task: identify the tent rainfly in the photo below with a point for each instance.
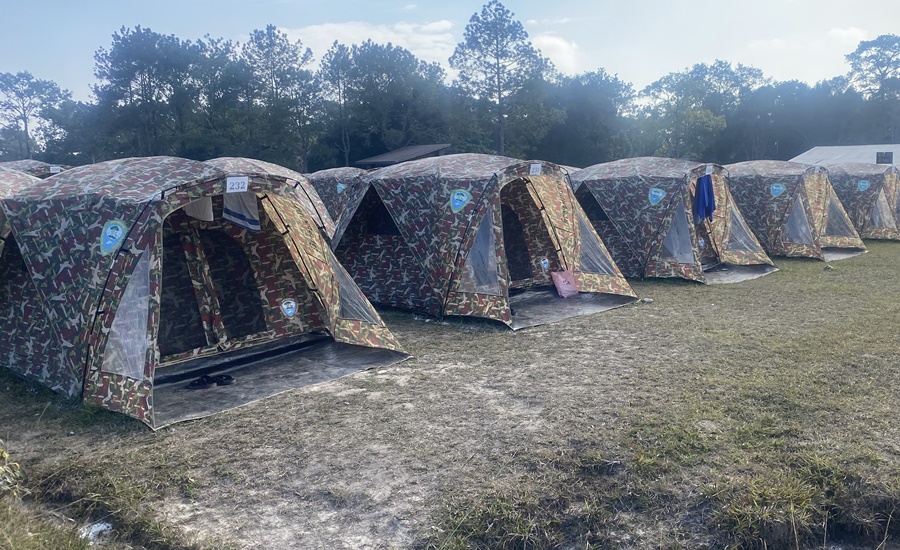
(869, 194)
(476, 235)
(334, 187)
(647, 210)
(36, 168)
(11, 182)
(126, 279)
(793, 209)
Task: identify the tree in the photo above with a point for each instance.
(396, 96)
(875, 71)
(147, 86)
(495, 60)
(334, 80)
(875, 66)
(593, 129)
(287, 94)
(23, 98)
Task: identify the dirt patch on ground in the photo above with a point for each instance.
(702, 390)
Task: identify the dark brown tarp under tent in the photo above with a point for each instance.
(793, 209)
(477, 236)
(663, 217)
(869, 195)
(126, 281)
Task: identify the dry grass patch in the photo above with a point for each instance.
(753, 415)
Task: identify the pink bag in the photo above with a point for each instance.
(564, 282)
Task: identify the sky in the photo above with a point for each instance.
(640, 41)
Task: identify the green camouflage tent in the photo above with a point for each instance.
(124, 280)
(644, 210)
(334, 187)
(475, 235)
(11, 182)
(868, 193)
(793, 209)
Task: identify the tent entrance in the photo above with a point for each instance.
(796, 227)
(882, 217)
(518, 258)
(677, 246)
(529, 249)
(209, 297)
(838, 225)
(709, 257)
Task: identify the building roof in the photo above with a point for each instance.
(848, 153)
(404, 154)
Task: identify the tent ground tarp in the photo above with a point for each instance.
(541, 306)
(737, 273)
(261, 372)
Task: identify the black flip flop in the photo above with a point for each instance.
(223, 379)
(202, 383)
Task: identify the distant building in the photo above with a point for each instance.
(404, 154)
(869, 154)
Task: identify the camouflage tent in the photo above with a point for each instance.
(36, 168)
(644, 210)
(123, 279)
(868, 193)
(11, 182)
(793, 209)
(475, 235)
(333, 186)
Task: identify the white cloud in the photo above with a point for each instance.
(565, 54)
(767, 46)
(850, 36)
(409, 7)
(431, 42)
(556, 21)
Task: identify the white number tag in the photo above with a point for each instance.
(534, 170)
(236, 184)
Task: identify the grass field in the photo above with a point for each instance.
(755, 415)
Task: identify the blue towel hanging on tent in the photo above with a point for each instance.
(704, 199)
(241, 209)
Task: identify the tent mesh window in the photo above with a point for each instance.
(739, 236)
(518, 259)
(481, 263)
(838, 224)
(353, 304)
(677, 245)
(591, 207)
(180, 326)
(796, 228)
(881, 214)
(234, 283)
(378, 220)
(126, 349)
(593, 259)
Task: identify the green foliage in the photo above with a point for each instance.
(875, 66)
(23, 99)
(495, 62)
(162, 95)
